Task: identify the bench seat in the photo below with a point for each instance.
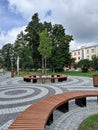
(38, 114)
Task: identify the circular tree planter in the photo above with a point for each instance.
(45, 78)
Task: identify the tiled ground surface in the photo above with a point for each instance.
(16, 95)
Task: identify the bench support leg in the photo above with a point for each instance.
(97, 99)
(59, 79)
(34, 80)
(81, 102)
(52, 80)
(24, 79)
(50, 120)
(43, 81)
(65, 78)
(64, 108)
(27, 80)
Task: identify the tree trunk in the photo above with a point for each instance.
(43, 68)
(45, 64)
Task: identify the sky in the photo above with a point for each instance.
(78, 17)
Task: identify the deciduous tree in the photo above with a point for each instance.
(45, 48)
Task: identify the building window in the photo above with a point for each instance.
(78, 58)
(78, 53)
(87, 56)
(74, 53)
(87, 51)
(92, 50)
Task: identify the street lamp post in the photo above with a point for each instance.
(18, 65)
(11, 58)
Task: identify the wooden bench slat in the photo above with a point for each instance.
(35, 117)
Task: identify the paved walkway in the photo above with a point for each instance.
(16, 95)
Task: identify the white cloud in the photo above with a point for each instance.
(24, 6)
(81, 15)
(28, 7)
(10, 36)
(74, 45)
(80, 18)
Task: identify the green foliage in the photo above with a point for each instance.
(79, 73)
(8, 56)
(26, 61)
(19, 44)
(84, 64)
(91, 123)
(32, 36)
(1, 59)
(94, 62)
(45, 46)
(69, 73)
(22, 50)
(48, 26)
(53, 45)
(60, 53)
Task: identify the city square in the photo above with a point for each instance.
(17, 95)
(48, 64)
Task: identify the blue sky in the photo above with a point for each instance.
(79, 18)
(9, 19)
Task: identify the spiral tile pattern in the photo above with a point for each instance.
(17, 95)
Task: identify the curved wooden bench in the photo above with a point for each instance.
(41, 112)
(35, 77)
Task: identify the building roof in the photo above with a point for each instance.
(85, 47)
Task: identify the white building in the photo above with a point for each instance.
(85, 53)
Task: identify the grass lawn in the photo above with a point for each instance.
(91, 123)
(22, 73)
(78, 73)
(71, 73)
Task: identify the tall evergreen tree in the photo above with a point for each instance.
(22, 50)
(8, 56)
(20, 43)
(60, 53)
(32, 36)
(27, 45)
(48, 26)
(1, 59)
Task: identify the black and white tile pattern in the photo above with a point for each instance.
(17, 95)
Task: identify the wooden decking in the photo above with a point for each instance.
(41, 113)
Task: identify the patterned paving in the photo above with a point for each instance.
(16, 95)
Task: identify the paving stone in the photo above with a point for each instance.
(16, 95)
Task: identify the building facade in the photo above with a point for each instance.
(85, 53)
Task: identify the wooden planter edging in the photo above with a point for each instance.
(34, 78)
(41, 113)
(95, 80)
